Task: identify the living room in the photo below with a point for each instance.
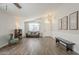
(38, 22)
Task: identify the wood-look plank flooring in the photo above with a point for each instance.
(35, 46)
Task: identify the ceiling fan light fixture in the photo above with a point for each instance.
(17, 5)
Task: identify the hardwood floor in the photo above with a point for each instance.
(35, 46)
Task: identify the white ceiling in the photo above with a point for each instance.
(37, 9)
(31, 10)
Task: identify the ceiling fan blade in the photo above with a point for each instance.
(17, 5)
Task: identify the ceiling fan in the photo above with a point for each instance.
(17, 5)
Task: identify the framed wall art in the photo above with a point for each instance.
(60, 24)
(73, 21)
(65, 23)
(78, 20)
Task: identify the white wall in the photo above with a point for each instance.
(45, 27)
(71, 35)
(7, 24)
(22, 25)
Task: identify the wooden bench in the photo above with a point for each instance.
(69, 45)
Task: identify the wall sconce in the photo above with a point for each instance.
(47, 21)
(17, 22)
(48, 18)
(17, 25)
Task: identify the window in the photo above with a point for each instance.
(34, 27)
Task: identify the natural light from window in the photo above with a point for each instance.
(34, 27)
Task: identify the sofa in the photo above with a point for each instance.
(32, 34)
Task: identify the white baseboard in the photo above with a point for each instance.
(3, 45)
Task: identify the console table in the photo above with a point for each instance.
(18, 33)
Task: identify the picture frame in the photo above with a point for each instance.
(60, 24)
(65, 23)
(73, 21)
(78, 20)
